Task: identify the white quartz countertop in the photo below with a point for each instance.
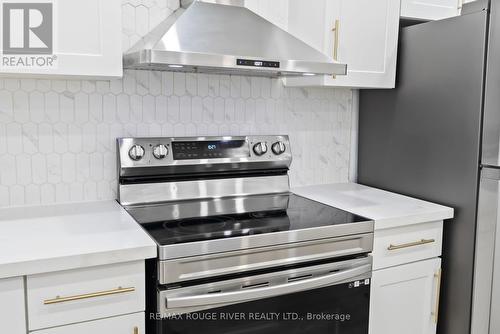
(387, 209)
(59, 237)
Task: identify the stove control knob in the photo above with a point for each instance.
(278, 147)
(160, 151)
(260, 148)
(136, 152)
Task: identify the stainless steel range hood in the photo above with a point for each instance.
(224, 39)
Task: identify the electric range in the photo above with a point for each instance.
(230, 233)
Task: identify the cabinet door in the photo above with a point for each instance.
(368, 38)
(404, 299)
(275, 11)
(430, 9)
(86, 41)
(12, 310)
(360, 33)
(127, 324)
(310, 21)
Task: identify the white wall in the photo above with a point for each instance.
(57, 138)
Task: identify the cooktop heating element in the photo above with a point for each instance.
(294, 214)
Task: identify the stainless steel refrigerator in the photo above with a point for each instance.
(436, 137)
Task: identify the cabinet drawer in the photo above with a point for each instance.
(392, 247)
(127, 324)
(79, 295)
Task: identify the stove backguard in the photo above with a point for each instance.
(166, 169)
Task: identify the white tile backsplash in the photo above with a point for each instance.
(57, 137)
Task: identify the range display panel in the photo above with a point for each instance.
(192, 150)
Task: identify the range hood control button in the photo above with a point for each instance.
(136, 152)
(160, 151)
(260, 148)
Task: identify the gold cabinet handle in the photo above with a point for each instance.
(336, 31)
(336, 36)
(438, 295)
(59, 299)
(136, 330)
(410, 244)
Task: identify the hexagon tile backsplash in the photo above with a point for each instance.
(57, 138)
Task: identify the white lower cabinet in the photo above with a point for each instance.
(66, 297)
(127, 324)
(395, 246)
(99, 300)
(405, 298)
(12, 309)
(406, 278)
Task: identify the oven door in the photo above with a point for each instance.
(328, 298)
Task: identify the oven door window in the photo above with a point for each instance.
(336, 309)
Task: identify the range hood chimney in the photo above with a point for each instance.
(226, 39)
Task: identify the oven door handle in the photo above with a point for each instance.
(211, 300)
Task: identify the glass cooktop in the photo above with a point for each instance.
(202, 220)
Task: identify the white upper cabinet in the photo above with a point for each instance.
(360, 33)
(275, 11)
(86, 40)
(310, 22)
(430, 9)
